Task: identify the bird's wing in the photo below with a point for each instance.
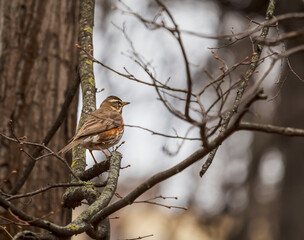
(99, 122)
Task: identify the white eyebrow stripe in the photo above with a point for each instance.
(114, 100)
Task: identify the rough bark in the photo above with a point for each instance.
(38, 65)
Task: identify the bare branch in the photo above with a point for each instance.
(268, 128)
(42, 146)
(129, 75)
(292, 51)
(280, 39)
(150, 235)
(162, 134)
(153, 25)
(242, 88)
(56, 185)
(176, 33)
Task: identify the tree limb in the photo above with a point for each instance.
(268, 128)
(244, 84)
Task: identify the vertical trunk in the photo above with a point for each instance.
(38, 59)
(291, 113)
(291, 199)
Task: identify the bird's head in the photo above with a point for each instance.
(114, 103)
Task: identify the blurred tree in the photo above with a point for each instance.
(283, 214)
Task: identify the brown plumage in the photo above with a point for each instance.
(102, 129)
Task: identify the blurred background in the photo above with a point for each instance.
(254, 188)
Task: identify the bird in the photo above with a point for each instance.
(102, 129)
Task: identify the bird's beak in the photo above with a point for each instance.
(125, 103)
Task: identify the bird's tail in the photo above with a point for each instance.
(69, 146)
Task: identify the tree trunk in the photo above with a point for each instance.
(37, 67)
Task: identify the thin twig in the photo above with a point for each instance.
(56, 185)
(150, 235)
(51, 152)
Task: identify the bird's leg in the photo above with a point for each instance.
(93, 157)
(107, 148)
(107, 156)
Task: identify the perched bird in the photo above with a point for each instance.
(102, 129)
